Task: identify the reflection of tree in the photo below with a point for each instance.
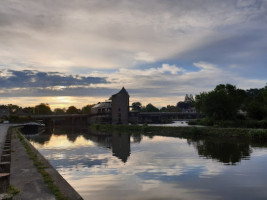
(41, 139)
(137, 138)
(72, 137)
(101, 140)
(225, 152)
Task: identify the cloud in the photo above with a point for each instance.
(95, 34)
(166, 84)
(158, 50)
(37, 79)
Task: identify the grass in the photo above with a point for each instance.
(41, 169)
(13, 190)
(236, 123)
(260, 134)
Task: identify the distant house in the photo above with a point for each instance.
(101, 113)
(101, 107)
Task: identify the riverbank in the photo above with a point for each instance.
(259, 134)
(31, 174)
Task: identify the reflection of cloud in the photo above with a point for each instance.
(62, 142)
(162, 167)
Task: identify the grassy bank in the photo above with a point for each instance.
(238, 123)
(184, 131)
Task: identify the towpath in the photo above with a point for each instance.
(23, 174)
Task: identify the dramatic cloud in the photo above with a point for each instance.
(162, 85)
(157, 49)
(31, 79)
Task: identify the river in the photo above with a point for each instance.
(136, 167)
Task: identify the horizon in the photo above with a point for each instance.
(79, 53)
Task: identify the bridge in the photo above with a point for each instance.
(69, 118)
(158, 117)
(137, 117)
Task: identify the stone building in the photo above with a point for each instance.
(101, 113)
(120, 107)
(115, 110)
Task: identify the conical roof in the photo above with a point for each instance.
(122, 91)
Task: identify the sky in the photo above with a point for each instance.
(81, 52)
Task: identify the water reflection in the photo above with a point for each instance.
(123, 166)
(226, 152)
(121, 146)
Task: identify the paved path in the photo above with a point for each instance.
(32, 187)
(23, 173)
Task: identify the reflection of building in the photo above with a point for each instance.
(115, 111)
(119, 143)
(121, 146)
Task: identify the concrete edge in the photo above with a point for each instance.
(65, 188)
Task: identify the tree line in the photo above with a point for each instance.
(226, 102)
(44, 109)
(186, 105)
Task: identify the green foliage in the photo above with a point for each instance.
(13, 108)
(87, 109)
(150, 108)
(256, 104)
(60, 111)
(188, 103)
(73, 110)
(28, 110)
(170, 108)
(186, 132)
(13, 190)
(136, 106)
(222, 103)
(42, 109)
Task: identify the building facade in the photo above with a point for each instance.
(120, 107)
(115, 110)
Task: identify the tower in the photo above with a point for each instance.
(120, 107)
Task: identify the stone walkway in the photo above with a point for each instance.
(23, 174)
(32, 187)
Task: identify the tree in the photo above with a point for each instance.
(136, 106)
(87, 109)
(73, 110)
(60, 111)
(256, 105)
(150, 108)
(13, 108)
(223, 103)
(169, 108)
(42, 109)
(29, 110)
(187, 103)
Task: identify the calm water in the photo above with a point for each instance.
(121, 166)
